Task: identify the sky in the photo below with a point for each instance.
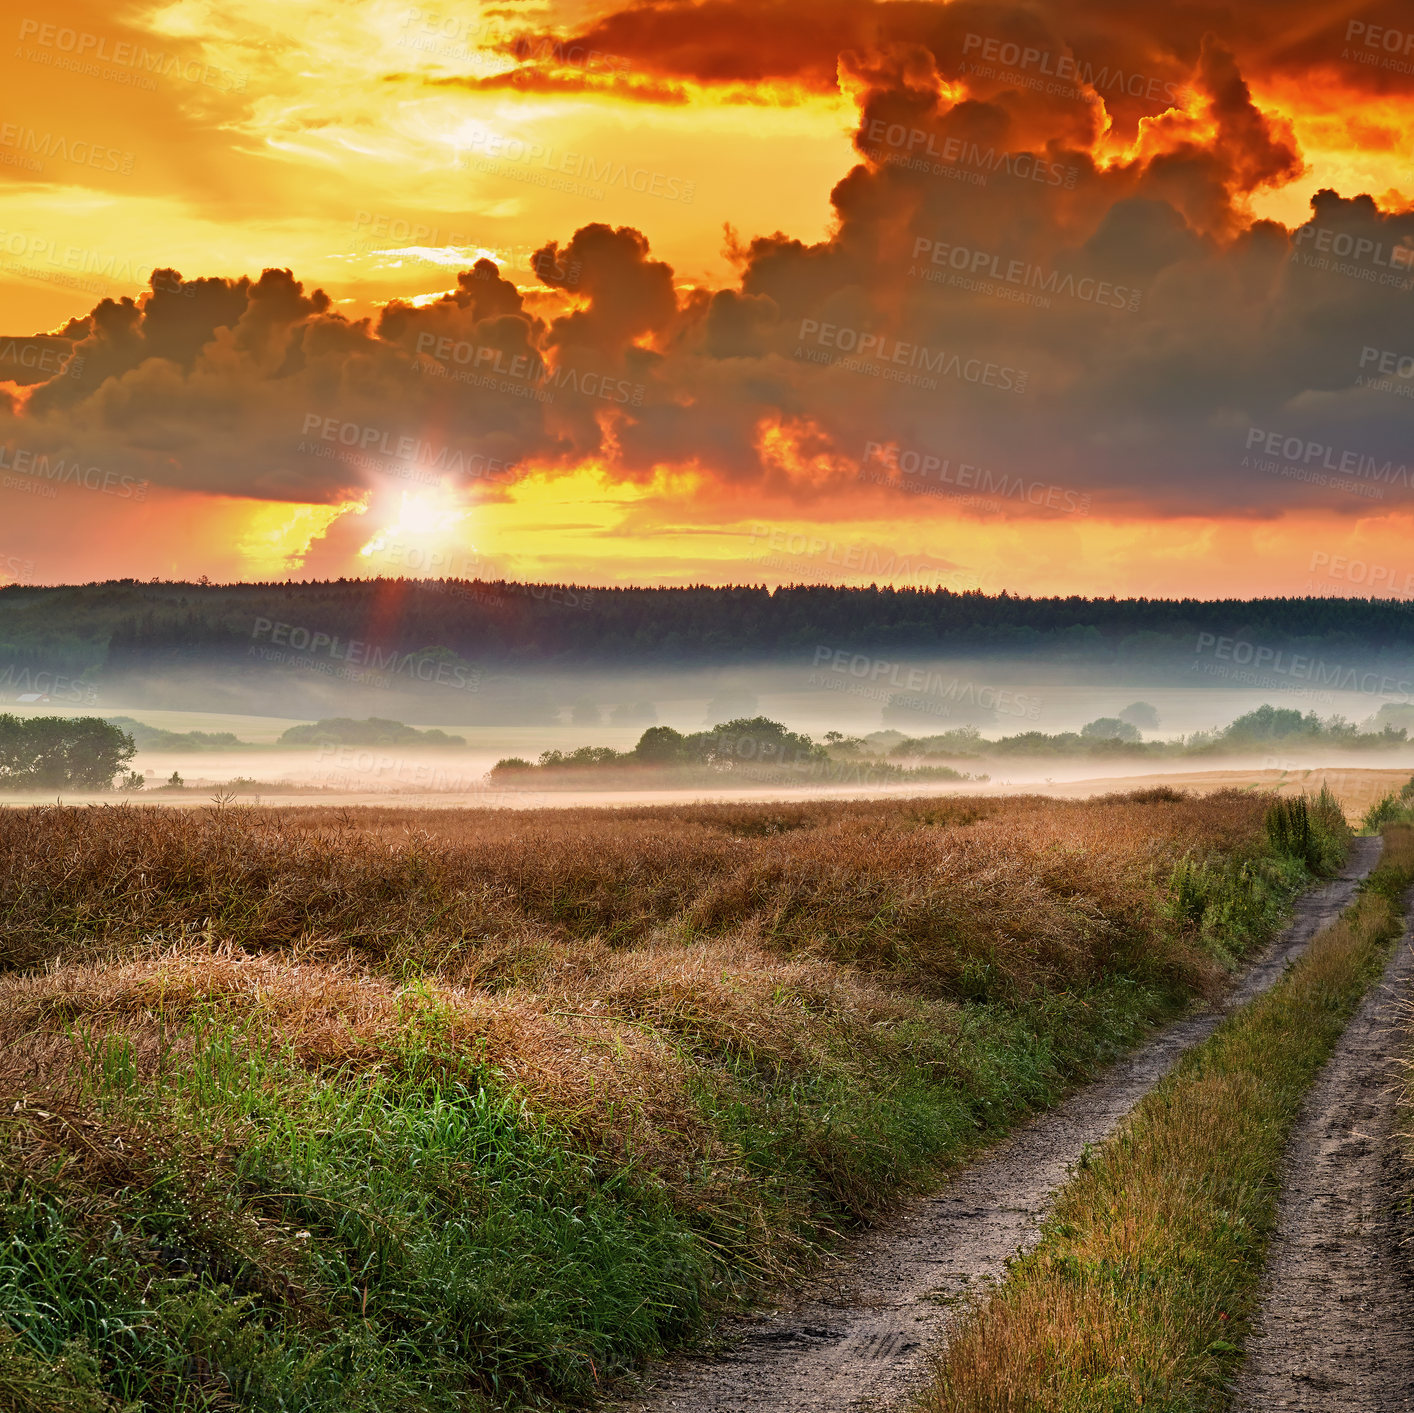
(1092, 297)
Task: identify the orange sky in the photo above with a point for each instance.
(720, 421)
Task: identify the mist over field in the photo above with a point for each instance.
(982, 684)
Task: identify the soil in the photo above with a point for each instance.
(858, 1339)
(1336, 1324)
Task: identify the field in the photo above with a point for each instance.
(1357, 788)
(402, 1109)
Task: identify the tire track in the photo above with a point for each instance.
(857, 1341)
(1336, 1324)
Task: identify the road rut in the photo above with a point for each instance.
(1336, 1324)
(857, 1340)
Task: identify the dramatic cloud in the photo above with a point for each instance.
(1127, 54)
(1045, 284)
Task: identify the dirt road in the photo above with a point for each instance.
(857, 1341)
(1336, 1328)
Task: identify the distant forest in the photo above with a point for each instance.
(452, 627)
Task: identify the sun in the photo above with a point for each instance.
(424, 536)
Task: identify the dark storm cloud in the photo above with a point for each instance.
(995, 289)
(1129, 54)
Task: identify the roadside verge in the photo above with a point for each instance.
(1148, 1272)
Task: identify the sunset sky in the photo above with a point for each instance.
(1090, 297)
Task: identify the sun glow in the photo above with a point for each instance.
(423, 534)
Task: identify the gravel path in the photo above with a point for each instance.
(857, 1340)
(1336, 1325)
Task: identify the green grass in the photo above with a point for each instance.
(1140, 1291)
(409, 1239)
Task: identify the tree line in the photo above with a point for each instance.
(125, 625)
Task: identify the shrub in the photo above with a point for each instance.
(1311, 830)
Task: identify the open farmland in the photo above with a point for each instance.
(395, 1109)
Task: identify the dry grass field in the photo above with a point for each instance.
(398, 1109)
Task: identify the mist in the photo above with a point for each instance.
(503, 713)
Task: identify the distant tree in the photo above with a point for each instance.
(585, 713)
(962, 740)
(660, 745)
(634, 714)
(1109, 728)
(731, 703)
(1269, 723)
(55, 752)
(1142, 715)
(175, 781)
(1396, 715)
(754, 738)
(584, 756)
(373, 731)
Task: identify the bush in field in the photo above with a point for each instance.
(1389, 809)
(57, 752)
(1312, 831)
